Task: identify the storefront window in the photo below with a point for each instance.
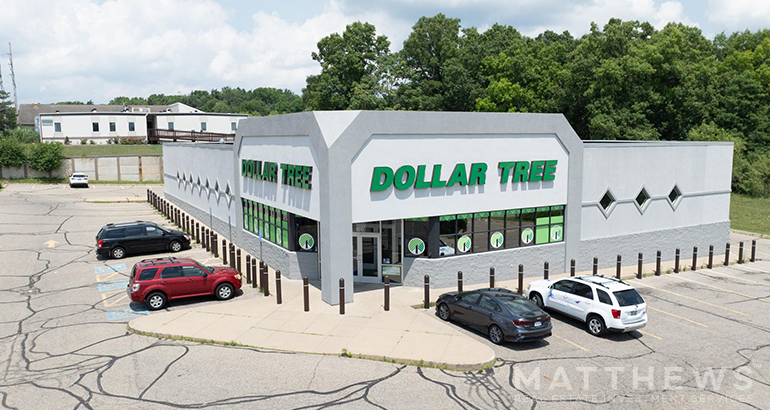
(272, 224)
(416, 237)
(489, 231)
(391, 242)
(306, 234)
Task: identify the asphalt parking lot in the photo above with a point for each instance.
(64, 344)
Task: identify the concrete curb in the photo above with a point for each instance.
(446, 366)
(747, 233)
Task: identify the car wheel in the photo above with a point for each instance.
(224, 291)
(496, 334)
(156, 301)
(537, 299)
(175, 246)
(595, 325)
(118, 253)
(443, 311)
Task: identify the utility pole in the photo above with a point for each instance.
(13, 81)
(1, 78)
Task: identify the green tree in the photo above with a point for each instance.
(348, 65)
(12, 153)
(46, 156)
(7, 112)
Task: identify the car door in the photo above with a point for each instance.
(136, 239)
(173, 282)
(558, 294)
(196, 281)
(482, 315)
(580, 299)
(156, 240)
(463, 308)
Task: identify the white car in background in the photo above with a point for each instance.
(78, 180)
(603, 303)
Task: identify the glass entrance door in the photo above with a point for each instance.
(366, 258)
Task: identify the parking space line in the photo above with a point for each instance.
(103, 277)
(734, 277)
(115, 302)
(676, 316)
(572, 343)
(743, 266)
(693, 299)
(724, 290)
(649, 334)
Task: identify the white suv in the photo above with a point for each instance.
(603, 303)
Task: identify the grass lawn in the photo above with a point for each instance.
(750, 214)
(102, 150)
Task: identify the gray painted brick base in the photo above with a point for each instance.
(629, 246)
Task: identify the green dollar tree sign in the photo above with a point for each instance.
(416, 246)
(556, 233)
(496, 240)
(527, 236)
(464, 243)
(306, 241)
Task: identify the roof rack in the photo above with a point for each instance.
(585, 278)
(153, 260)
(612, 278)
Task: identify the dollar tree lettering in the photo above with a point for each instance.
(496, 240)
(464, 243)
(416, 246)
(306, 241)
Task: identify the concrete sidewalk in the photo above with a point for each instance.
(402, 335)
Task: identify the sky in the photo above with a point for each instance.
(96, 50)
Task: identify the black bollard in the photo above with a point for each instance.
(254, 283)
(306, 294)
(266, 282)
(426, 302)
(459, 281)
(207, 239)
(387, 293)
(545, 270)
(753, 250)
(224, 251)
(521, 280)
(197, 231)
(261, 272)
(248, 269)
(278, 296)
(492, 277)
(711, 256)
(342, 296)
(617, 268)
(657, 264)
(232, 255)
(238, 261)
(676, 261)
(639, 266)
(694, 258)
(572, 267)
(596, 265)
(727, 254)
(740, 252)
(215, 245)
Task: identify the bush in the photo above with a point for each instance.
(131, 141)
(46, 156)
(91, 142)
(25, 135)
(12, 153)
(66, 140)
(84, 141)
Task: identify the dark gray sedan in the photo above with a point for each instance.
(499, 313)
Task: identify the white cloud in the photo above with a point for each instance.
(739, 14)
(577, 17)
(83, 49)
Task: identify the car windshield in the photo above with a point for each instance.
(208, 269)
(628, 297)
(78, 175)
(519, 306)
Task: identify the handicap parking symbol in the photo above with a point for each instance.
(126, 312)
(116, 285)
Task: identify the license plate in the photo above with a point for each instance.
(128, 292)
(634, 313)
(538, 324)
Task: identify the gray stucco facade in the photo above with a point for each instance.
(343, 148)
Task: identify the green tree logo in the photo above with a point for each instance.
(556, 233)
(416, 246)
(306, 241)
(464, 244)
(527, 236)
(496, 240)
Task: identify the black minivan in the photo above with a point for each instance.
(117, 240)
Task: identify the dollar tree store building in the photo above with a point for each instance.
(361, 195)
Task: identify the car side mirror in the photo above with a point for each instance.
(550, 286)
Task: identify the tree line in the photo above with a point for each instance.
(623, 81)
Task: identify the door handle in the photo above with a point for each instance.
(163, 283)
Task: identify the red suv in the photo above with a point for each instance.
(155, 281)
